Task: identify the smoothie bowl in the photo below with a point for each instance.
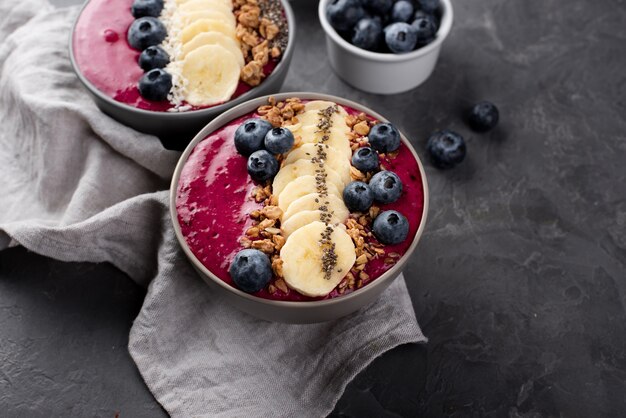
(167, 67)
(299, 208)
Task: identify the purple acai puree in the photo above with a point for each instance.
(213, 202)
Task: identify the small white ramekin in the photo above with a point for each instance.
(383, 73)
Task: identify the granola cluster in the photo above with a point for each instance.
(261, 32)
(265, 235)
(281, 113)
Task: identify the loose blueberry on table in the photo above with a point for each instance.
(446, 149)
(483, 117)
(320, 185)
(386, 26)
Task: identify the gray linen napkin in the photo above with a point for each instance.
(77, 186)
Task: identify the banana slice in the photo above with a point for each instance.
(206, 25)
(302, 259)
(213, 38)
(336, 139)
(311, 116)
(333, 159)
(322, 104)
(303, 218)
(225, 2)
(197, 5)
(313, 201)
(212, 74)
(290, 172)
(299, 187)
(189, 17)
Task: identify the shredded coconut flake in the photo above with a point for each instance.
(172, 45)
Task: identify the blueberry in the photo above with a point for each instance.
(145, 32)
(365, 159)
(251, 270)
(279, 140)
(429, 6)
(422, 14)
(402, 11)
(384, 137)
(390, 227)
(343, 14)
(262, 166)
(446, 149)
(378, 7)
(141, 8)
(155, 85)
(483, 117)
(400, 37)
(250, 135)
(153, 57)
(425, 27)
(386, 187)
(358, 196)
(367, 34)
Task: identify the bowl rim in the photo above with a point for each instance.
(241, 110)
(284, 62)
(442, 34)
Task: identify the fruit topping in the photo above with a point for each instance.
(425, 28)
(279, 140)
(251, 270)
(314, 267)
(212, 74)
(402, 11)
(146, 31)
(390, 227)
(367, 34)
(262, 166)
(153, 57)
(250, 135)
(384, 137)
(141, 8)
(392, 26)
(365, 159)
(358, 196)
(400, 37)
(155, 84)
(429, 6)
(302, 186)
(386, 187)
(378, 7)
(446, 149)
(483, 117)
(344, 14)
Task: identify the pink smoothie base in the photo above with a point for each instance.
(105, 58)
(213, 203)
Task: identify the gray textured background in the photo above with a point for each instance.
(519, 281)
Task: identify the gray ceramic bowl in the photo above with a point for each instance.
(383, 73)
(177, 129)
(286, 311)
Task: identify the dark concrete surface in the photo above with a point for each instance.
(520, 278)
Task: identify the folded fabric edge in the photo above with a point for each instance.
(365, 357)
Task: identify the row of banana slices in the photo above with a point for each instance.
(296, 187)
(209, 57)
